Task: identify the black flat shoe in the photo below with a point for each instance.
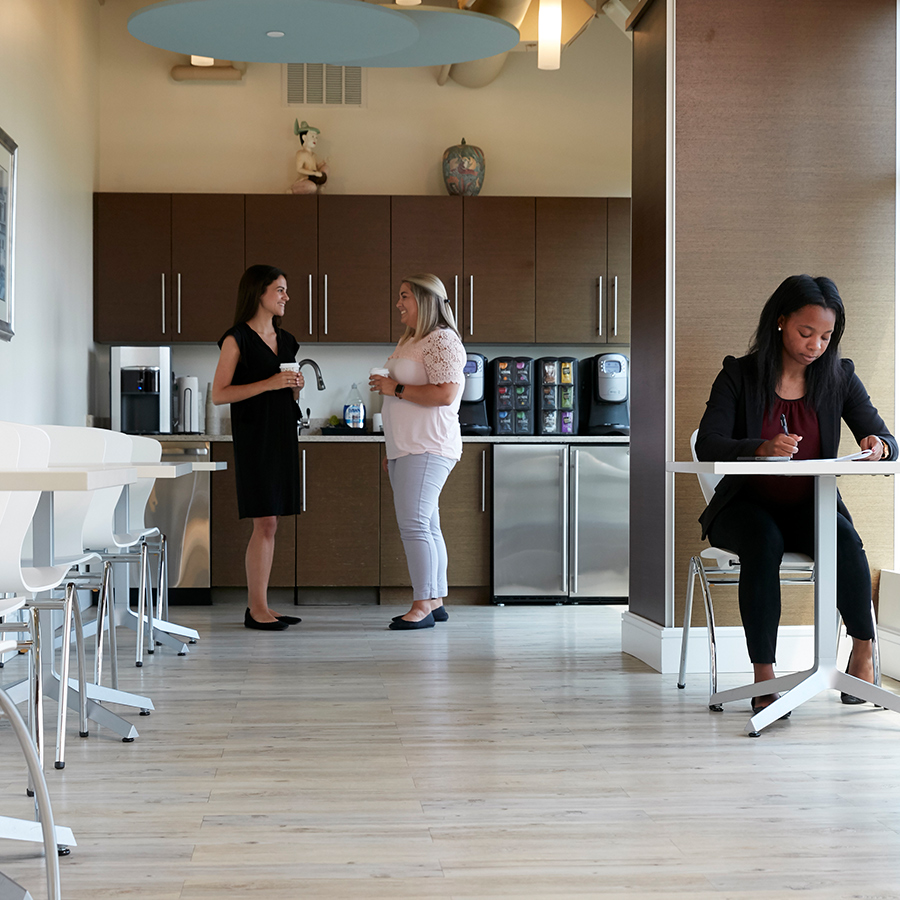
(290, 620)
(440, 615)
(758, 709)
(402, 624)
(250, 622)
(850, 700)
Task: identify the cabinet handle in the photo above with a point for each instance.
(563, 459)
(303, 480)
(615, 305)
(310, 305)
(471, 305)
(483, 479)
(163, 287)
(326, 304)
(600, 306)
(179, 302)
(456, 299)
(574, 526)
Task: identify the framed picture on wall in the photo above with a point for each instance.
(8, 150)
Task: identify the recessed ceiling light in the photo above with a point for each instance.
(274, 34)
(202, 61)
(407, 2)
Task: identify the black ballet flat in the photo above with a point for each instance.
(250, 622)
(758, 709)
(440, 615)
(290, 620)
(402, 624)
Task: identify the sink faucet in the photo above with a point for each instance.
(320, 382)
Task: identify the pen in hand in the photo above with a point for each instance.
(784, 427)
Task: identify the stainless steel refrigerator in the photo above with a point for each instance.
(560, 522)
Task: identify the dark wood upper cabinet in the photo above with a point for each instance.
(618, 267)
(426, 237)
(132, 265)
(498, 269)
(355, 294)
(207, 263)
(282, 230)
(570, 273)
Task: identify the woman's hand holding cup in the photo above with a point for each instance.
(288, 377)
(380, 381)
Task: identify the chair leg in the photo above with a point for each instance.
(710, 631)
(82, 670)
(102, 616)
(162, 590)
(37, 708)
(688, 605)
(876, 655)
(142, 606)
(66, 653)
(113, 641)
(42, 795)
(148, 603)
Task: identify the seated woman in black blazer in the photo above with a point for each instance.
(787, 398)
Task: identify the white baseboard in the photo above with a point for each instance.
(660, 648)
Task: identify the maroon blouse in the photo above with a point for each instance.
(804, 422)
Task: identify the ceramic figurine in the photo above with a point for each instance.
(313, 172)
(463, 167)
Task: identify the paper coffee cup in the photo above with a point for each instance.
(377, 423)
(384, 373)
(290, 367)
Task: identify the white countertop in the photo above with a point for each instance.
(379, 438)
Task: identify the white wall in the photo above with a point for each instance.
(564, 133)
(49, 106)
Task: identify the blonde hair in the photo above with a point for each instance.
(434, 307)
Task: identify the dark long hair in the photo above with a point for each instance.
(823, 376)
(253, 285)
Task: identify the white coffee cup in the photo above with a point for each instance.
(377, 423)
(290, 367)
(384, 373)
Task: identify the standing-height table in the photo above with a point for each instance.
(824, 673)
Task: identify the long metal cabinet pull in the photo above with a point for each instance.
(310, 304)
(163, 278)
(471, 305)
(179, 303)
(574, 524)
(564, 465)
(483, 480)
(615, 305)
(326, 304)
(600, 306)
(456, 299)
(303, 479)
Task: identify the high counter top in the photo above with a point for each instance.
(379, 439)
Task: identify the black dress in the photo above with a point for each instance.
(264, 429)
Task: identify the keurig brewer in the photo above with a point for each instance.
(473, 416)
(605, 395)
(140, 381)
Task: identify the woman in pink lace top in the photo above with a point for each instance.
(422, 438)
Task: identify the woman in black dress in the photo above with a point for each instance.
(263, 424)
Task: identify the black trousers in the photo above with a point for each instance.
(760, 535)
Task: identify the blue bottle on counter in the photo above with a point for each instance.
(354, 409)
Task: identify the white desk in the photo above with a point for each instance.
(824, 674)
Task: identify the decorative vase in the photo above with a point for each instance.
(463, 167)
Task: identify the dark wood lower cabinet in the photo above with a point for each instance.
(229, 534)
(465, 524)
(338, 534)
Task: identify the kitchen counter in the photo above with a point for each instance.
(379, 439)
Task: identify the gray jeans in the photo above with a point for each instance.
(417, 481)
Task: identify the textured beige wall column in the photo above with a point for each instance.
(784, 136)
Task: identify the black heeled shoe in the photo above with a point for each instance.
(758, 709)
(250, 622)
(849, 699)
(402, 624)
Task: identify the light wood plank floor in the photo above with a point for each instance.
(511, 753)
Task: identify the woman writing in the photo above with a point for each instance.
(263, 424)
(787, 398)
(422, 437)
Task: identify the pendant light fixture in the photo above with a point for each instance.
(340, 32)
(549, 33)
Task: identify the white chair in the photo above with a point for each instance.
(718, 566)
(23, 446)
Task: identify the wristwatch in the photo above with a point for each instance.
(398, 391)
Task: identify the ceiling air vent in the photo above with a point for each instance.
(317, 84)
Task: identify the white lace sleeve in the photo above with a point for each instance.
(444, 357)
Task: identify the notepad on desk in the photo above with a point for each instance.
(860, 454)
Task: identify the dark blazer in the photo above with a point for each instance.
(731, 425)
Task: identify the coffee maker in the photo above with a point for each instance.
(140, 389)
(604, 395)
(473, 416)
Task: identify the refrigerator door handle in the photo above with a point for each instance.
(565, 518)
(573, 525)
